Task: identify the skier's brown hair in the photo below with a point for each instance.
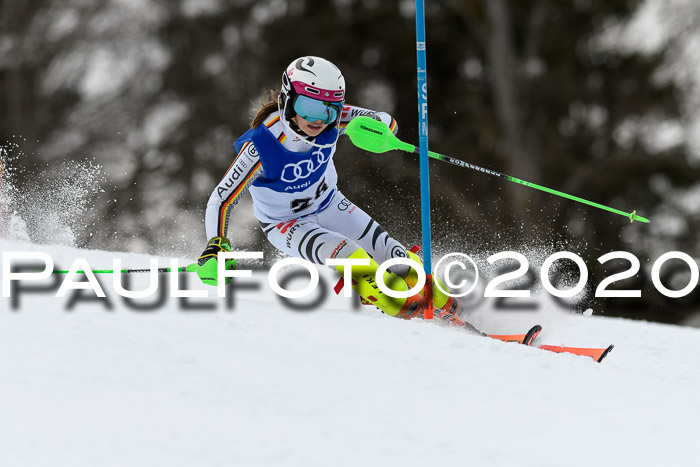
(268, 104)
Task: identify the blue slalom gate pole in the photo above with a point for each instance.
(423, 145)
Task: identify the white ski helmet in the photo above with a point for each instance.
(313, 77)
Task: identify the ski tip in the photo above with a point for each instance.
(605, 353)
(532, 334)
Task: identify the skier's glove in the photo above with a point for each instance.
(207, 266)
(388, 119)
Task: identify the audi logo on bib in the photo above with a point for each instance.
(303, 169)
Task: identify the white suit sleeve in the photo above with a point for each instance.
(246, 167)
(352, 111)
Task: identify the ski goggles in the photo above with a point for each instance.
(312, 110)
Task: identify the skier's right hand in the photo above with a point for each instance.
(207, 265)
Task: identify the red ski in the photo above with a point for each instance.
(525, 339)
(596, 354)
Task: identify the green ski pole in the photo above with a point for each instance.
(375, 136)
(188, 268)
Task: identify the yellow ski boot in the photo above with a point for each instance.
(444, 304)
(365, 284)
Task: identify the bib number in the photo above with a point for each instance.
(300, 204)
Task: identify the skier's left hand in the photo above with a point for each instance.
(207, 265)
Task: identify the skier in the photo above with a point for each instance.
(285, 160)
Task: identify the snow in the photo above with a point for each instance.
(260, 384)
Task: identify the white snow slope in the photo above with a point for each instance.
(262, 385)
